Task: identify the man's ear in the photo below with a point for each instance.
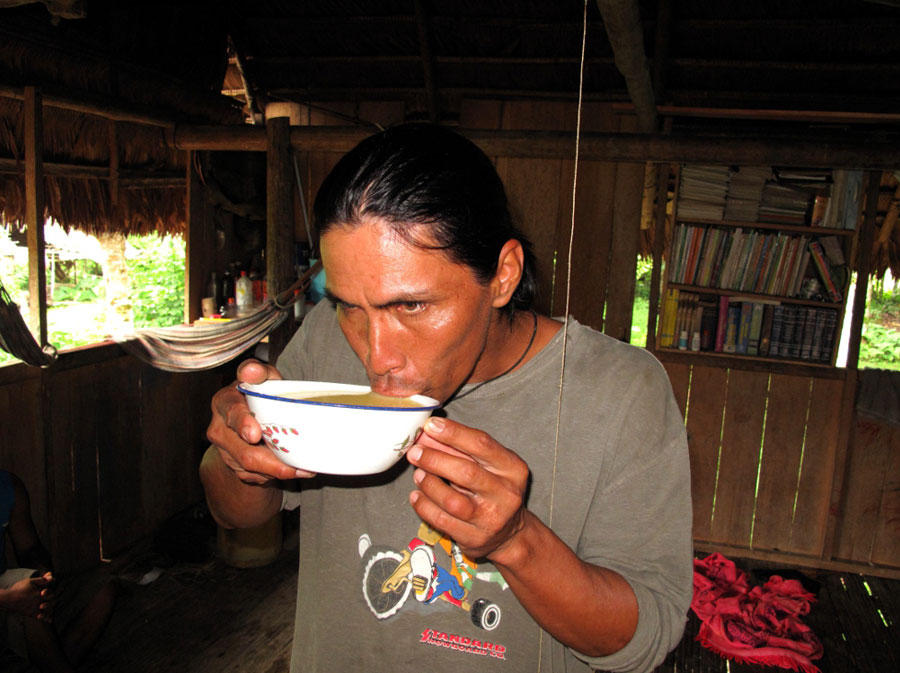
(510, 266)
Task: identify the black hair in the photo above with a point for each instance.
(424, 175)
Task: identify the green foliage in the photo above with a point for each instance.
(87, 289)
(880, 344)
(880, 347)
(642, 278)
(156, 270)
(641, 307)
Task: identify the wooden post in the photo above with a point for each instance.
(34, 214)
(198, 243)
(863, 267)
(280, 271)
(848, 401)
(659, 244)
(623, 251)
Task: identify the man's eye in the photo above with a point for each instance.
(411, 307)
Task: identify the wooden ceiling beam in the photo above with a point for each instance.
(843, 68)
(128, 178)
(622, 20)
(867, 152)
(293, 61)
(93, 105)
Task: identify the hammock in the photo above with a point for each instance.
(15, 337)
(200, 346)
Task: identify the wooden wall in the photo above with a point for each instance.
(107, 446)
(774, 476)
(607, 208)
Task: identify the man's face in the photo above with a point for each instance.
(417, 320)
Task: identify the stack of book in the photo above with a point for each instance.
(702, 191)
(745, 188)
(784, 204)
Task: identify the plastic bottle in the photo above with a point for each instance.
(243, 293)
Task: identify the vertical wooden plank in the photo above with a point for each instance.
(279, 223)
(591, 242)
(34, 214)
(864, 263)
(534, 187)
(741, 439)
(680, 379)
(868, 458)
(626, 230)
(83, 409)
(705, 407)
(123, 488)
(659, 240)
(886, 546)
(844, 440)
(23, 450)
(783, 453)
(819, 463)
(594, 201)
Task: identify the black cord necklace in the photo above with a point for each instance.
(507, 371)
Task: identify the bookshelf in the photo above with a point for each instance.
(757, 263)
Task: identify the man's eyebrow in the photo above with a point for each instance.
(332, 297)
(403, 298)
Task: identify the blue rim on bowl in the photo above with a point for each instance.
(297, 400)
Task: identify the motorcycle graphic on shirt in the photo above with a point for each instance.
(390, 577)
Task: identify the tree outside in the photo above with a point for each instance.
(99, 287)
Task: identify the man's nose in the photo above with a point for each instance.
(385, 355)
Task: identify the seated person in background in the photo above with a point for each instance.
(29, 604)
(543, 522)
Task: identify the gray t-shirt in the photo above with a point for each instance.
(614, 486)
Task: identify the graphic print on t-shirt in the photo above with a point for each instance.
(390, 576)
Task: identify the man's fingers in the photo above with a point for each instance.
(476, 444)
(254, 371)
(449, 497)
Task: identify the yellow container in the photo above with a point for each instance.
(251, 547)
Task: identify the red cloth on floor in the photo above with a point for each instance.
(753, 625)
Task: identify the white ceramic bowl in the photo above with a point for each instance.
(333, 437)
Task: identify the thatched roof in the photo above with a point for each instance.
(147, 61)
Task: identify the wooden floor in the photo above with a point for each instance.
(207, 617)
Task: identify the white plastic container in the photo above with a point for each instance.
(243, 294)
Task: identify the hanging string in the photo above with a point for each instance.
(565, 337)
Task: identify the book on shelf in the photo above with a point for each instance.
(842, 208)
(721, 324)
(742, 325)
(732, 329)
(755, 261)
(829, 280)
(765, 330)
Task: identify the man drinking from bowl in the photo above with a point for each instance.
(544, 521)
